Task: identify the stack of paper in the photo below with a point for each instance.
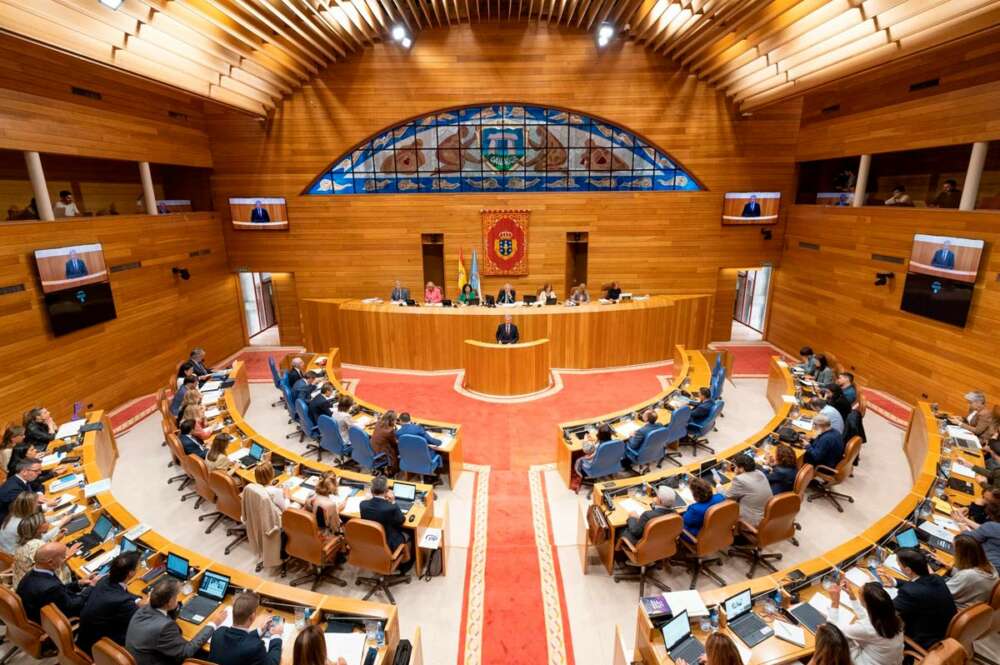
(627, 429)
(349, 646)
(947, 523)
(72, 428)
(858, 577)
(892, 563)
(962, 470)
(301, 495)
(212, 413)
(802, 424)
(632, 506)
(686, 600)
(53, 459)
(239, 454)
(344, 491)
(935, 530)
(209, 386)
(136, 532)
(95, 488)
(353, 505)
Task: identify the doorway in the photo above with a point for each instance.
(257, 292)
(432, 245)
(741, 300)
(576, 259)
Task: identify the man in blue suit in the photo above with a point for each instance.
(242, 643)
(507, 332)
(304, 387)
(110, 606)
(752, 208)
(191, 445)
(75, 267)
(407, 426)
(649, 417)
(944, 257)
(259, 214)
(704, 406)
(827, 449)
(399, 293)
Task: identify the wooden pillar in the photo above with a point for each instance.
(970, 188)
(148, 193)
(37, 175)
(861, 185)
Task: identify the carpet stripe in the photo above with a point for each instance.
(553, 600)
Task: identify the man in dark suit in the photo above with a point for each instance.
(241, 643)
(259, 214)
(649, 417)
(110, 607)
(924, 603)
(295, 371)
(153, 636)
(192, 446)
(827, 449)
(304, 387)
(197, 361)
(507, 295)
(75, 267)
(320, 405)
(704, 406)
(24, 480)
(189, 382)
(382, 508)
(399, 293)
(42, 585)
(407, 426)
(507, 332)
(944, 257)
(751, 208)
(663, 504)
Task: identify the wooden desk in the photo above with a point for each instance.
(507, 369)
(431, 338)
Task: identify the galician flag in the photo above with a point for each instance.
(462, 277)
(474, 277)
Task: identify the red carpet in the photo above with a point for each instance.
(510, 438)
(751, 359)
(256, 361)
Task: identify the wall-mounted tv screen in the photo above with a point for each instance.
(76, 287)
(941, 277)
(259, 213)
(741, 208)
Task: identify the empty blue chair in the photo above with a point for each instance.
(698, 430)
(650, 451)
(607, 461)
(276, 378)
(718, 364)
(306, 424)
(716, 384)
(331, 441)
(362, 452)
(293, 417)
(415, 456)
(676, 430)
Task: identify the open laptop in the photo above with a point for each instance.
(705, 472)
(102, 528)
(552, 301)
(680, 643)
(211, 591)
(256, 453)
(907, 538)
(176, 566)
(128, 545)
(405, 495)
(748, 626)
(530, 300)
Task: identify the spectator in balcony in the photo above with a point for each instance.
(66, 207)
(899, 197)
(949, 196)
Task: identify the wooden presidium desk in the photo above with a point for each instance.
(98, 457)
(507, 369)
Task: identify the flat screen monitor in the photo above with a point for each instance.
(941, 278)
(259, 213)
(63, 268)
(743, 208)
(75, 286)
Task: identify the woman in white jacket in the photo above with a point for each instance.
(876, 634)
(972, 577)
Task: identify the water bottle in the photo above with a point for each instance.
(379, 635)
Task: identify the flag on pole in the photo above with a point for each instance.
(462, 277)
(474, 274)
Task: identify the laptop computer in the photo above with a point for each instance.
(176, 566)
(705, 472)
(490, 301)
(936, 542)
(530, 300)
(907, 538)
(127, 545)
(446, 302)
(552, 301)
(405, 495)
(808, 617)
(748, 626)
(256, 453)
(102, 528)
(211, 591)
(680, 643)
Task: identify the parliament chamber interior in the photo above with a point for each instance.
(500, 332)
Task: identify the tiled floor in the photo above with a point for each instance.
(267, 337)
(742, 333)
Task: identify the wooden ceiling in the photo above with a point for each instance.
(251, 53)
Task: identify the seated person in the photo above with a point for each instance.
(704, 498)
(972, 576)
(924, 602)
(432, 293)
(216, 459)
(321, 404)
(185, 370)
(295, 372)
(663, 504)
(950, 196)
(546, 292)
(326, 504)
(808, 364)
(703, 408)
(382, 508)
(467, 295)
(980, 420)
(827, 449)
(153, 636)
(824, 373)
(190, 443)
(846, 382)
(750, 489)
(40, 428)
(649, 417)
(384, 441)
(342, 416)
(196, 414)
(899, 197)
(25, 480)
(42, 585)
(836, 398)
(819, 405)
(507, 332)
(242, 643)
(197, 360)
(304, 387)
(407, 426)
(399, 293)
(189, 382)
(590, 446)
(507, 295)
(614, 292)
(579, 294)
(783, 471)
(109, 607)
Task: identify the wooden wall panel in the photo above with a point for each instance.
(355, 246)
(132, 120)
(286, 308)
(725, 299)
(160, 317)
(827, 299)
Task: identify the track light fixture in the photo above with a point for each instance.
(399, 34)
(604, 34)
(111, 4)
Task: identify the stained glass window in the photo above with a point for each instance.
(503, 148)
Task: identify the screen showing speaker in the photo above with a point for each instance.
(748, 208)
(76, 289)
(259, 213)
(941, 277)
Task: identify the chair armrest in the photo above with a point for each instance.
(625, 543)
(825, 470)
(913, 648)
(745, 528)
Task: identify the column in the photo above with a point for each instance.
(861, 185)
(970, 188)
(37, 175)
(148, 193)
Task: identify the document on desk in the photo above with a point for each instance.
(349, 646)
(64, 483)
(345, 491)
(631, 505)
(212, 413)
(745, 653)
(789, 633)
(789, 399)
(892, 563)
(95, 488)
(962, 470)
(72, 428)
(803, 423)
(936, 530)
(822, 603)
(53, 459)
(858, 576)
(363, 420)
(678, 601)
(353, 505)
(627, 429)
(301, 495)
(209, 386)
(956, 432)
(212, 398)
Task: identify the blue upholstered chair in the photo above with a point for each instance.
(293, 417)
(676, 430)
(306, 424)
(650, 452)
(607, 461)
(330, 441)
(415, 456)
(362, 452)
(698, 430)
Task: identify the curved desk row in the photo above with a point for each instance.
(98, 457)
(431, 338)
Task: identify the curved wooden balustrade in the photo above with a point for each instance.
(507, 369)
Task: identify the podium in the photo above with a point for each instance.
(506, 370)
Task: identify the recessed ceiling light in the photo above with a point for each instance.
(112, 4)
(407, 42)
(606, 32)
(399, 33)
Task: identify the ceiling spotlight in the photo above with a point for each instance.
(407, 42)
(399, 33)
(602, 41)
(606, 32)
(112, 4)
